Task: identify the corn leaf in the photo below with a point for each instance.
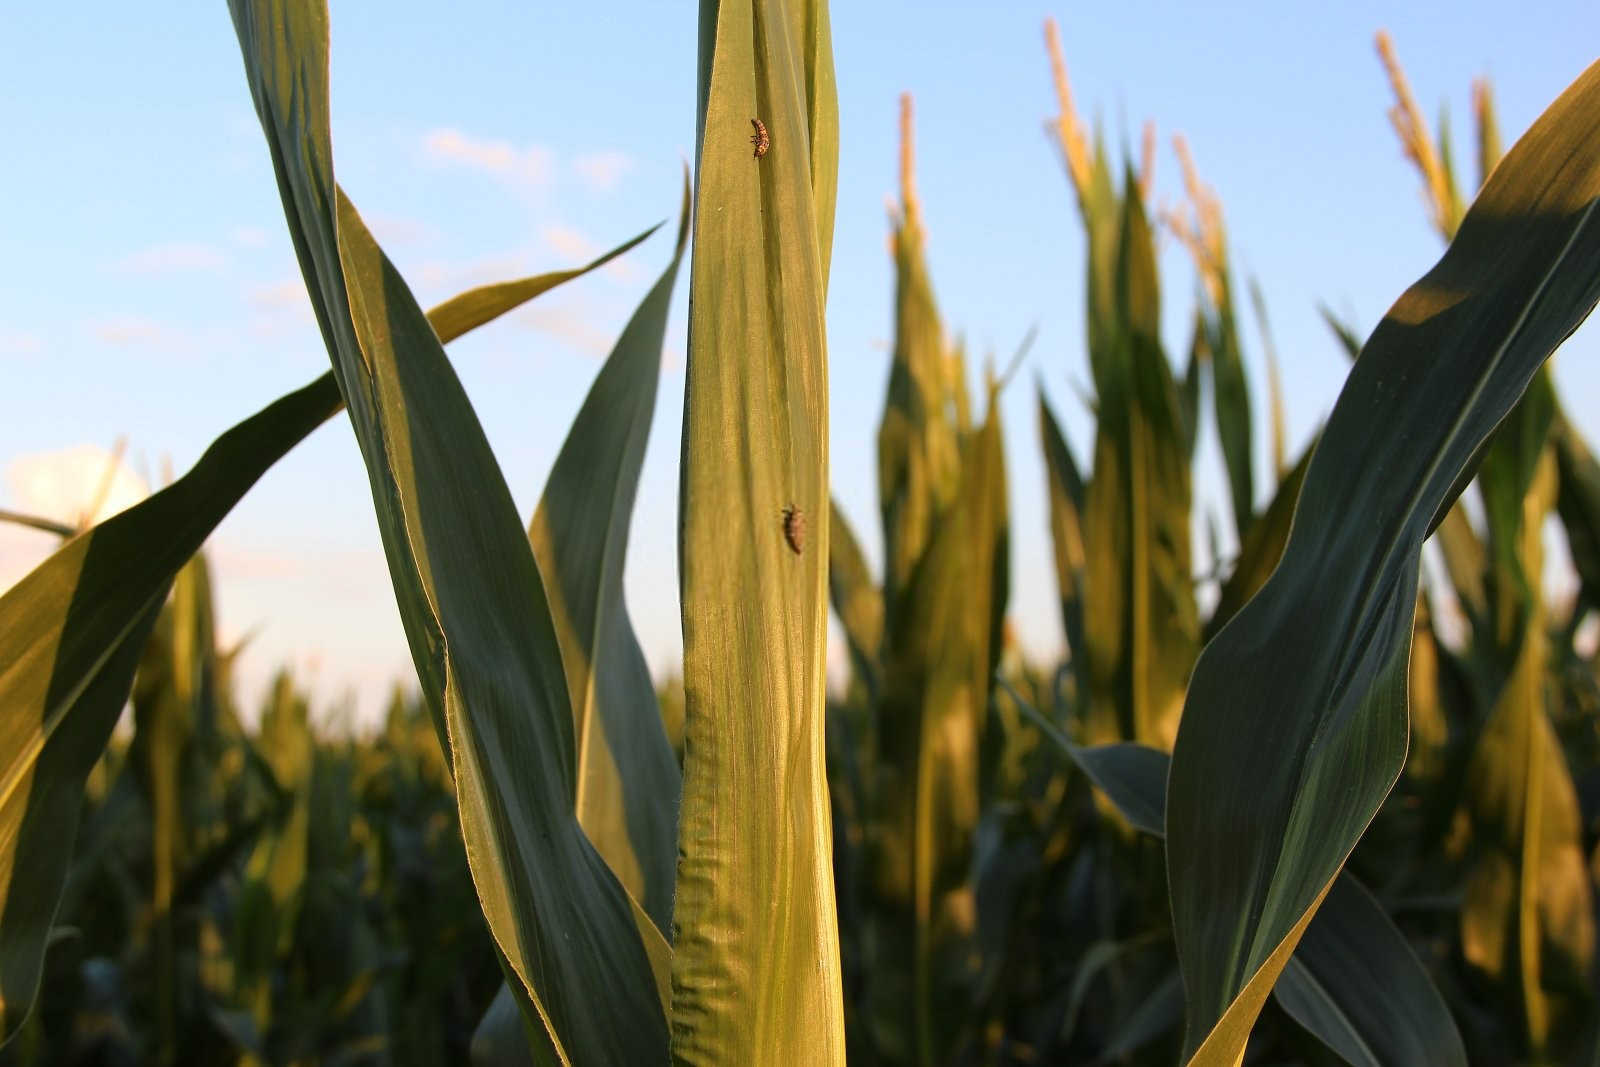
(1141, 626)
(65, 625)
(628, 781)
(469, 591)
(755, 969)
(1578, 504)
(949, 648)
(856, 600)
(1261, 548)
(1230, 397)
(1295, 725)
(1353, 981)
(1066, 495)
(1528, 887)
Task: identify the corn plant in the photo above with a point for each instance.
(974, 906)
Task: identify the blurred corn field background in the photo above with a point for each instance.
(1328, 795)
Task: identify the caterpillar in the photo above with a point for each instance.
(760, 138)
(794, 528)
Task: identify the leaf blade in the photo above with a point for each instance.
(1254, 843)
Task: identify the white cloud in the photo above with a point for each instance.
(393, 231)
(67, 485)
(574, 326)
(454, 276)
(20, 343)
(131, 331)
(172, 257)
(248, 236)
(499, 158)
(291, 292)
(569, 242)
(602, 171)
(575, 245)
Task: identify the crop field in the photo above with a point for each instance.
(1331, 797)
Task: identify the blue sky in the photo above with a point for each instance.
(148, 287)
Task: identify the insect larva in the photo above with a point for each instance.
(794, 528)
(762, 143)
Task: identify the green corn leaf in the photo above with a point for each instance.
(274, 882)
(469, 591)
(755, 968)
(1353, 981)
(1578, 504)
(1189, 385)
(1295, 725)
(919, 463)
(1357, 986)
(1280, 432)
(1528, 888)
(1489, 150)
(628, 781)
(1066, 495)
(1141, 626)
(949, 646)
(856, 601)
(1230, 396)
(1261, 548)
(173, 708)
(63, 632)
(466, 311)
(1465, 559)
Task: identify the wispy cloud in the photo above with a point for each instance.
(395, 230)
(453, 276)
(573, 244)
(602, 171)
(575, 326)
(569, 241)
(133, 331)
(280, 307)
(248, 236)
(172, 257)
(20, 343)
(291, 292)
(502, 159)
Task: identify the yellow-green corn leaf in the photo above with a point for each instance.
(274, 882)
(1141, 626)
(469, 592)
(1528, 888)
(1066, 495)
(856, 600)
(1430, 723)
(919, 451)
(1261, 548)
(1353, 981)
(1489, 150)
(173, 709)
(466, 311)
(1578, 503)
(72, 632)
(948, 649)
(1295, 725)
(1189, 385)
(1343, 331)
(755, 968)
(1230, 397)
(1280, 431)
(627, 778)
(71, 635)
